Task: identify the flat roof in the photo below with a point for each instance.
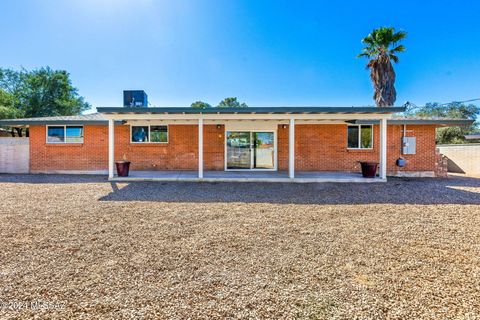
(99, 119)
(422, 120)
(253, 110)
(94, 118)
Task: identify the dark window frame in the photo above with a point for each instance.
(149, 134)
(360, 126)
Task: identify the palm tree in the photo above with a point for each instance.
(381, 48)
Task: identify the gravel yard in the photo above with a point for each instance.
(81, 247)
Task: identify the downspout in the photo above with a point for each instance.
(401, 162)
(404, 134)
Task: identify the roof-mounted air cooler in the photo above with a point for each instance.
(135, 98)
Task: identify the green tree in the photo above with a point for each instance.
(455, 110)
(231, 102)
(50, 93)
(7, 105)
(8, 110)
(381, 48)
(41, 93)
(200, 105)
(11, 81)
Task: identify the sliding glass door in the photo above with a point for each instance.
(264, 150)
(250, 150)
(239, 150)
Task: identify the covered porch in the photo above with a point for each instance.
(245, 120)
(247, 176)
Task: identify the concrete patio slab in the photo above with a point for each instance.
(247, 176)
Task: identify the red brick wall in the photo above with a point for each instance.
(213, 147)
(91, 155)
(180, 153)
(324, 148)
(318, 147)
(424, 159)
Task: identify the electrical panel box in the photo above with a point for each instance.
(135, 98)
(409, 145)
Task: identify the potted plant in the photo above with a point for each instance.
(123, 167)
(369, 168)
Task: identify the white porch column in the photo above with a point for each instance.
(200, 148)
(291, 149)
(111, 147)
(383, 148)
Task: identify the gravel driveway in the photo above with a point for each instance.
(81, 247)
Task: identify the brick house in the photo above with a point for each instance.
(279, 144)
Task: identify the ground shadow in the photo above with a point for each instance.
(453, 190)
(457, 190)
(51, 178)
(453, 167)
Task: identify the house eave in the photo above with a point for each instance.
(473, 136)
(436, 122)
(275, 113)
(26, 122)
(253, 110)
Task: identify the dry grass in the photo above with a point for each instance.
(408, 249)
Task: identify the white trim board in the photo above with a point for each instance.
(139, 122)
(353, 116)
(251, 126)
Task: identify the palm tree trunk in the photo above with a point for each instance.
(383, 79)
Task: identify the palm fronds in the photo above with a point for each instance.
(381, 48)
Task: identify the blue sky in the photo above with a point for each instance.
(266, 53)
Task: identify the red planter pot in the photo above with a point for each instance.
(369, 169)
(123, 167)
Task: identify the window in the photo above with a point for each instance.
(155, 134)
(56, 134)
(140, 134)
(158, 134)
(64, 134)
(360, 137)
(74, 134)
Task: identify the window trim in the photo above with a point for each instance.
(64, 134)
(149, 140)
(360, 136)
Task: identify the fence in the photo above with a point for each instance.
(462, 158)
(14, 155)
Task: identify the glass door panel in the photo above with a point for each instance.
(239, 152)
(264, 150)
